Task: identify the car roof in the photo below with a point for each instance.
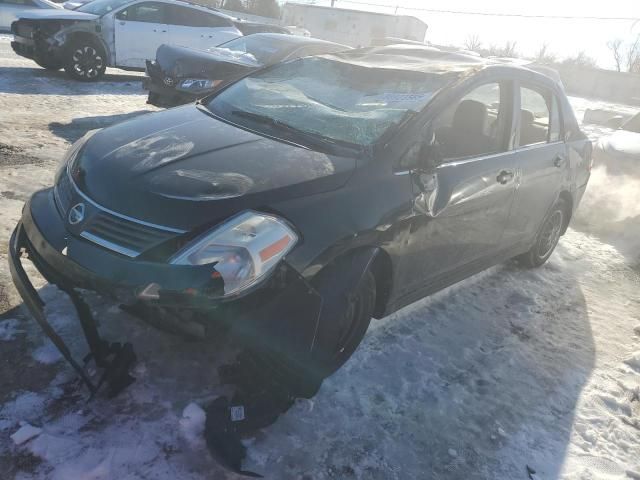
(432, 60)
(415, 58)
(295, 39)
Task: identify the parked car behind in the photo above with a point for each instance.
(308, 197)
(620, 151)
(10, 9)
(115, 33)
(181, 75)
(73, 4)
(249, 28)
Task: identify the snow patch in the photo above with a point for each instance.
(47, 354)
(9, 329)
(25, 433)
(192, 424)
(634, 361)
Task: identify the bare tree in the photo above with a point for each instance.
(507, 50)
(543, 55)
(633, 56)
(581, 60)
(616, 48)
(510, 49)
(473, 42)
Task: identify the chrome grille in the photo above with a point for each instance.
(111, 230)
(121, 235)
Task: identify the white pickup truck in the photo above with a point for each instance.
(115, 33)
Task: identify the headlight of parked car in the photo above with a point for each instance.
(197, 84)
(243, 250)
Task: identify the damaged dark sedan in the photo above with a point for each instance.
(181, 75)
(301, 201)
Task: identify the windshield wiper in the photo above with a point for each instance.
(311, 137)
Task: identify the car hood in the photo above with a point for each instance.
(216, 63)
(623, 143)
(56, 14)
(184, 169)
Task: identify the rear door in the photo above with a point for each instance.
(195, 28)
(541, 160)
(464, 204)
(139, 30)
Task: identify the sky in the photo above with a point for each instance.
(565, 37)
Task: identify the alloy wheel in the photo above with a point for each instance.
(87, 62)
(550, 234)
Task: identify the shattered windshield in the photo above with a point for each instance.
(329, 98)
(257, 49)
(102, 7)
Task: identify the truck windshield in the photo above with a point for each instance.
(327, 97)
(102, 7)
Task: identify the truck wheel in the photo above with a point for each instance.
(344, 320)
(85, 61)
(547, 237)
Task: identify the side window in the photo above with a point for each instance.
(536, 117)
(473, 126)
(190, 17)
(147, 12)
(23, 3)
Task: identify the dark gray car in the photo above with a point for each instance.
(181, 75)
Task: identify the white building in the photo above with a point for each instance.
(356, 28)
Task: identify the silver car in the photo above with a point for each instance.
(9, 10)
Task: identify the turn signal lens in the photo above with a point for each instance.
(242, 250)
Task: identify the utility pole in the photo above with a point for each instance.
(333, 3)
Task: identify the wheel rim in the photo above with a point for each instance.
(87, 62)
(550, 234)
(348, 330)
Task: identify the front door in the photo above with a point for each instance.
(139, 30)
(461, 207)
(541, 160)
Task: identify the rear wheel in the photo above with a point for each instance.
(547, 238)
(85, 61)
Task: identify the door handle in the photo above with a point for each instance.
(505, 176)
(559, 161)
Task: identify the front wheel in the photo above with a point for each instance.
(345, 318)
(547, 238)
(85, 61)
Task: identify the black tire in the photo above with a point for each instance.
(49, 64)
(85, 60)
(344, 320)
(547, 238)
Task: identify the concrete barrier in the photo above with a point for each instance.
(607, 85)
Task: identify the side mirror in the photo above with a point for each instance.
(429, 157)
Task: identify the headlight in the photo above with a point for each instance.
(198, 84)
(72, 153)
(242, 250)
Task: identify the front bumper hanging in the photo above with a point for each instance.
(114, 358)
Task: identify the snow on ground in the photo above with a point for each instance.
(507, 373)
